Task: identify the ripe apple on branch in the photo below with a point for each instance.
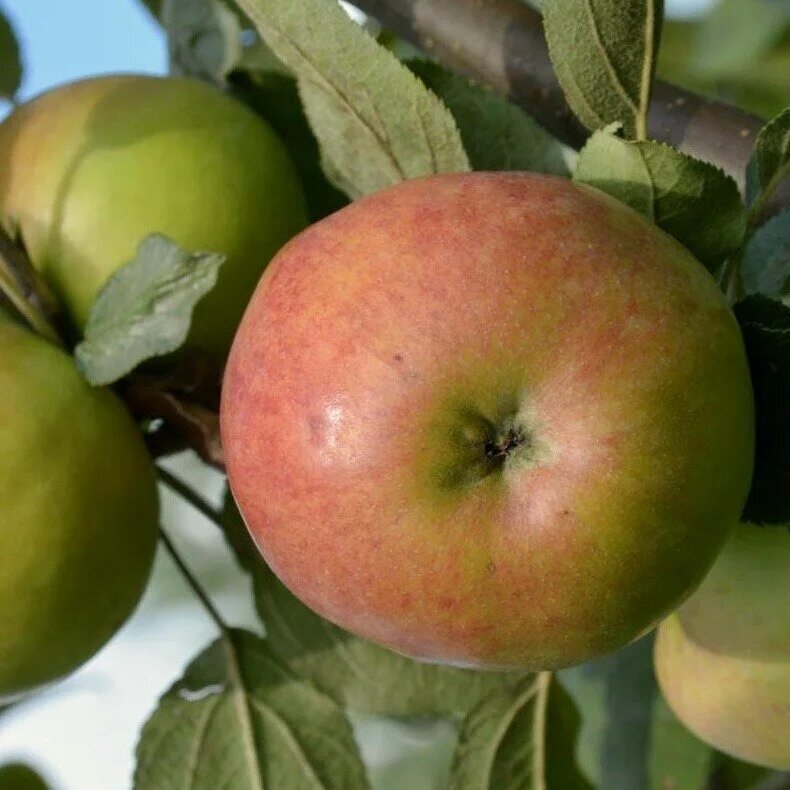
(501, 409)
(464, 418)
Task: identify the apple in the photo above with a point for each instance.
(18, 776)
(723, 659)
(492, 419)
(91, 168)
(79, 514)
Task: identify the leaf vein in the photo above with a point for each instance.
(612, 71)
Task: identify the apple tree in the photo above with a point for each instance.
(378, 156)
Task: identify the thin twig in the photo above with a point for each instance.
(203, 506)
(193, 583)
(234, 664)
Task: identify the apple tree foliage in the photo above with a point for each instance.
(280, 711)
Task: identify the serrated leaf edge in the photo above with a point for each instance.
(249, 8)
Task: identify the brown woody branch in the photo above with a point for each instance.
(500, 43)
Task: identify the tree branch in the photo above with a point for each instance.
(501, 44)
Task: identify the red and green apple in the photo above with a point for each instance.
(494, 420)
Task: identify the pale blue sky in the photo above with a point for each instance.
(66, 40)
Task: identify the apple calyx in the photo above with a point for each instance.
(481, 447)
(510, 440)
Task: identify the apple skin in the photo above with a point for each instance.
(17, 776)
(723, 659)
(79, 514)
(493, 420)
(89, 169)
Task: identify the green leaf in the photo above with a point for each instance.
(362, 676)
(10, 60)
(497, 135)
(203, 37)
(154, 7)
(376, 123)
(629, 739)
(358, 674)
(765, 324)
(237, 535)
(677, 757)
(274, 96)
(691, 200)
(257, 56)
(145, 309)
(18, 776)
(269, 88)
(769, 162)
(765, 268)
(402, 49)
(732, 774)
(604, 53)
(239, 719)
(523, 738)
(409, 755)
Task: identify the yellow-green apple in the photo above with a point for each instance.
(723, 659)
(18, 776)
(79, 514)
(495, 420)
(91, 168)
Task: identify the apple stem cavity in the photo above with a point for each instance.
(512, 439)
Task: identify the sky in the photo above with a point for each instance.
(82, 733)
(66, 40)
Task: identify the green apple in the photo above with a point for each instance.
(495, 420)
(79, 514)
(723, 659)
(17, 776)
(91, 168)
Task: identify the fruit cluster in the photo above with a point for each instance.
(493, 420)
(87, 171)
